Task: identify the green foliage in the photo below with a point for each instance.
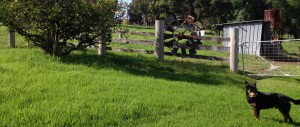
(202, 10)
(159, 9)
(294, 3)
(210, 12)
(291, 9)
(51, 25)
(249, 9)
(138, 9)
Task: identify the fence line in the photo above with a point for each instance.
(144, 51)
(123, 40)
(272, 58)
(158, 43)
(178, 45)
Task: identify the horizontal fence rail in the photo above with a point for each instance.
(178, 45)
(123, 40)
(271, 58)
(144, 51)
(159, 43)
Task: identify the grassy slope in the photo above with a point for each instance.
(127, 90)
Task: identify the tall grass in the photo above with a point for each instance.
(126, 89)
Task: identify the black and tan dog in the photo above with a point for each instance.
(260, 100)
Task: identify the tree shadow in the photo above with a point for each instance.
(171, 70)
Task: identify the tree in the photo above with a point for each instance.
(291, 9)
(53, 24)
(121, 9)
(139, 11)
(294, 17)
(245, 10)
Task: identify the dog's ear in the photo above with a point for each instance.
(254, 84)
(246, 83)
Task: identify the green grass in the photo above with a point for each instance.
(20, 41)
(128, 89)
(292, 47)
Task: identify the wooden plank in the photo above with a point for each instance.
(131, 50)
(197, 47)
(166, 53)
(213, 48)
(178, 45)
(218, 39)
(141, 33)
(122, 40)
(203, 47)
(136, 33)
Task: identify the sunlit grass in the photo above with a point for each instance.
(129, 89)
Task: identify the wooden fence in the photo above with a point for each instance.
(159, 44)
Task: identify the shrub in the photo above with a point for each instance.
(53, 25)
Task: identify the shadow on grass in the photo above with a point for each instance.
(281, 121)
(169, 70)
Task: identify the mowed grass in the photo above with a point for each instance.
(128, 89)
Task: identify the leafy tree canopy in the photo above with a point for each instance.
(54, 24)
(211, 12)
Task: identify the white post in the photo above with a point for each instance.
(159, 42)
(120, 35)
(234, 49)
(102, 46)
(12, 39)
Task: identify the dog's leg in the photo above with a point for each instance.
(290, 119)
(256, 113)
(286, 116)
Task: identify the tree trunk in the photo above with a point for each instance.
(192, 9)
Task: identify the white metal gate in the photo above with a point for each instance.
(271, 58)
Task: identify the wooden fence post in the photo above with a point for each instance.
(12, 39)
(234, 49)
(159, 42)
(102, 46)
(120, 35)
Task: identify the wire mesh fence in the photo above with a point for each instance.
(271, 58)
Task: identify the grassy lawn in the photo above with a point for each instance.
(128, 89)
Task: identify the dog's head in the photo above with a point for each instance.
(251, 90)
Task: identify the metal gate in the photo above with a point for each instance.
(271, 58)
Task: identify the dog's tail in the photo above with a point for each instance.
(297, 102)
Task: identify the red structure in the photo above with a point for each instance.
(275, 17)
